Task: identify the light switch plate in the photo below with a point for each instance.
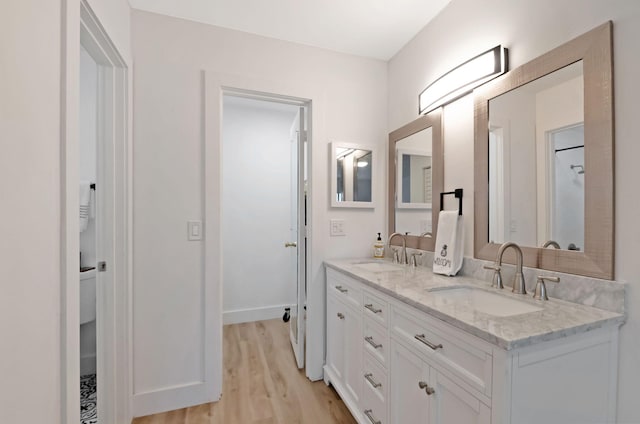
(194, 230)
(337, 228)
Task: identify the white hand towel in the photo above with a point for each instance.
(85, 204)
(449, 248)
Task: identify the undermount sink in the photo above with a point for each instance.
(483, 301)
(379, 266)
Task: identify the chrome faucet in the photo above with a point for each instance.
(402, 258)
(518, 279)
(551, 243)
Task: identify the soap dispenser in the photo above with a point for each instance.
(378, 248)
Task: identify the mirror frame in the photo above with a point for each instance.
(432, 120)
(334, 175)
(594, 48)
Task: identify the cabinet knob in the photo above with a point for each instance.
(341, 289)
(426, 387)
(340, 315)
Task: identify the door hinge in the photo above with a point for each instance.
(102, 266)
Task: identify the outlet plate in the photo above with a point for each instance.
(336, 228)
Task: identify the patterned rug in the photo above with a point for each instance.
(88, 400)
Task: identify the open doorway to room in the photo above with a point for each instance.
(96, 290)
(264, 192)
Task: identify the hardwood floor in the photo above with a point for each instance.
(262, 385)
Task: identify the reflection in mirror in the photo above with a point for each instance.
(416, 176)
(352, 176)
(536, 152)
(545, 179)
(414, 183)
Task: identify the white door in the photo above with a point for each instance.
(297, 236)
(99, 134)
(453, 405)
(335, 337)
(409, 400)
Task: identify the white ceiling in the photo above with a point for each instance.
(371, 28)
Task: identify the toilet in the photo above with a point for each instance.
(87, 296)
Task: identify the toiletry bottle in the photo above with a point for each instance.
(378, 248)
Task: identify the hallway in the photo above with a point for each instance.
(261, 385)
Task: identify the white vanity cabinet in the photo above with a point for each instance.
(343, 365)
(394, 364)
(438, 375)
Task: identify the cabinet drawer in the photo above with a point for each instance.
(375, 392)
(376, 309)
(376, 341)
(444, 346)
(344, 288)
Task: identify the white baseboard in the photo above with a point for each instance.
(88, 364)
(255, 314)
(170, 398)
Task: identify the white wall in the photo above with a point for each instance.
(170, 56)
(30, 271)
(88, 144)
(30, 211)
(115, 17)
(256, 206)
(529, 28)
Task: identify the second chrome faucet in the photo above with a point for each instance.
(402, 256)
(518, 279)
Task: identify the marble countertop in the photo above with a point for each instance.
(422, 289)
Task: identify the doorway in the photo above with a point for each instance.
(95, 199)
(264, 181)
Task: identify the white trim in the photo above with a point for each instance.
(254, 314)
(69, 225)
(216, 85)
(79, 22)
(170, 398)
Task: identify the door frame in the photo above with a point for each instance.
(215, 85)
(81, 25)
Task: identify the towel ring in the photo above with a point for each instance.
(457, 193)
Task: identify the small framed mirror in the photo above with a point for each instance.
(416, 175)
(544, 159)
(352, 175)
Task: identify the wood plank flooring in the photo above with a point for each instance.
(262, 385)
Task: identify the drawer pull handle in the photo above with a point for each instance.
(370, 307)
(341, 289)
(425, 386)
(421, 338)
(369, 339)
(340, 315)
(370, 379)
(368, 413)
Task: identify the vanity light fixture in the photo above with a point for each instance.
(464, 78)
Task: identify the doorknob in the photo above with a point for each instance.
(291, 244)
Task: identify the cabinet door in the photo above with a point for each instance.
(335, 338)
(353, 352)
(409, 402)
(451, 404)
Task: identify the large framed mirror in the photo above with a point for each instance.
(416, 178)
(352, 172)
(544, 159)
